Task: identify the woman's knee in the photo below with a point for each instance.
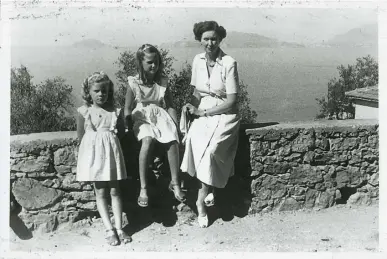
(101, 193)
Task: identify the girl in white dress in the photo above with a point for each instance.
(100, 158)
(149, 112)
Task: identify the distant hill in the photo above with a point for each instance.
(364, 36)
(89, 43)
(238, 40)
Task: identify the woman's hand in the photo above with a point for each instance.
(193, 110)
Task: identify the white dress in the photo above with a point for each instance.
(100, 157)
(211, 142)
(149, 118)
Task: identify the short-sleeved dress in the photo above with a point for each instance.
(150, 119)
(100, 157)
(211, 142)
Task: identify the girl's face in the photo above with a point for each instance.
(99, 93)
(150, 63)
(210, 41)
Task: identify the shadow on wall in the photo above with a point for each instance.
(15, 222)
(233, 200)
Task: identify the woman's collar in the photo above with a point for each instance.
(221, 54)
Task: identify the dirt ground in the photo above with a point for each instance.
(336, 229)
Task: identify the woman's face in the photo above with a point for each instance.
(210, 41)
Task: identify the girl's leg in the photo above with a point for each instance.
(202, 213)
(173, 159)
(115, 194)
(101, 192)
(144, 160)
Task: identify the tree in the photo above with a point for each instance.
(179, 83)
(39, 108)
(362, 74)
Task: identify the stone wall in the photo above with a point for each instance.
(314, 164)
(284, 167)
(43, 168)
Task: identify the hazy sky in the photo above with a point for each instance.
(131, 26)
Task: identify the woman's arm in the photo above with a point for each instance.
(80, 127)
(225, 107)
(129, 98)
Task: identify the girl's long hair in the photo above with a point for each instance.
(148, 48)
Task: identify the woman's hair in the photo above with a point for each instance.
(97, 77)
(148, 48)
(201, 27)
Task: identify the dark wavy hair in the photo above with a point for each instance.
(201, 27)
(148, 48)
(97, 77)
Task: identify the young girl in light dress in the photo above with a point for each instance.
(146, 96)
(100, 158)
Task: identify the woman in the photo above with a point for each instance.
(212, 139)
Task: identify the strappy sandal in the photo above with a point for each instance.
(209, 200)
(111, 237)
(142, 201)
(203, 221)
(172, 189)
(124, 238)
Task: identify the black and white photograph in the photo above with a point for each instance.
(140, 126)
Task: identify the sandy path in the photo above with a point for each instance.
(340, 228)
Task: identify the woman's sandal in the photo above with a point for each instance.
(172, 189)
(112, 238)
(142, 201)
(209, 200)
(203, 221)
(124, 238)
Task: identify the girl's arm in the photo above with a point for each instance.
(169, 103)
(80, 127)
(129, 98)
(195, 98)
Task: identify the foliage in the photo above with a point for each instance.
(179, 83)
(362, 74)
(39, 108)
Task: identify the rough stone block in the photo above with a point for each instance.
(63, 169)
(87, 206)
(65, 156)
(33, 164)
(289, 204)
(32, 195)
(69, 183)
(359, 198)
(374, 181)
(83, 196)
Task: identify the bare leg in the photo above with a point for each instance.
(173, 159)
(144, 159)
(202, 193)
(101, 192)
(115, 195)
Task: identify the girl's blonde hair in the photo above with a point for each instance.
(97, 77)
(148, 48)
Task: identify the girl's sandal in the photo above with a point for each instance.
(124, 238)
(142, 201)
(172, 189)
(111, 237)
